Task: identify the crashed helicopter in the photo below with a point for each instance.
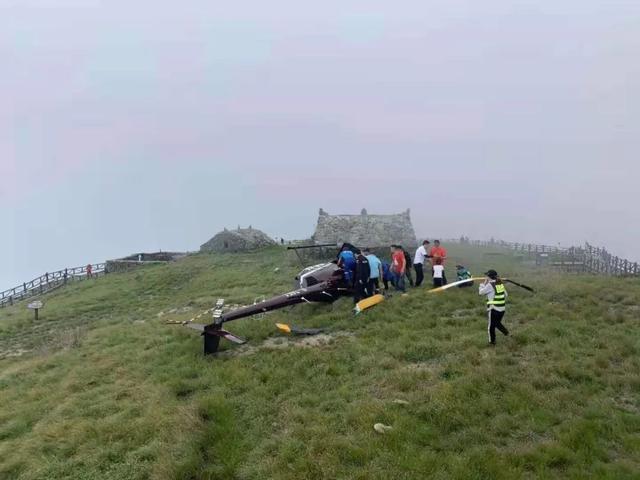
(318, 283)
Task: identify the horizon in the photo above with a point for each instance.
(419, 238)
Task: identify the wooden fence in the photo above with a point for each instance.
(598, 260)
(587, 258)
(49, 281)
(531, 248)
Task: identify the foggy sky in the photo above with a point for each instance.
(138, 126)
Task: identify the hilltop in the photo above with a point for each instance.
(101, 388)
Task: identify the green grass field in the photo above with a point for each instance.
(101, 388)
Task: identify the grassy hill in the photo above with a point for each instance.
(101, 388)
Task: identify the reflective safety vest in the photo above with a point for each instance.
(500, 298)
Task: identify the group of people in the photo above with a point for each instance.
(366, 271)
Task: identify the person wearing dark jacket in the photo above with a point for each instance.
(407, 260)
(377, 273)
(387, 276)
(361, 279)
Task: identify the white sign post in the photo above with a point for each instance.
(35, 306)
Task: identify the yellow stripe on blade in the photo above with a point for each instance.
(368, 302)
(283, 327)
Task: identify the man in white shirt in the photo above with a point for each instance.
(418, 262)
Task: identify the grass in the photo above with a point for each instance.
(101, 388)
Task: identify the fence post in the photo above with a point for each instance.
(11, 299)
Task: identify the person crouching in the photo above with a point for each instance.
(463, 274)
(496, 294)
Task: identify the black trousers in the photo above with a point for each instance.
(407, 272)
(360, 291)
(419, 268)
(444, 277)
(495, 321)
(439, 282)
(374, 286)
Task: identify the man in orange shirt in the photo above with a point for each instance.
(439, 252)
(398, 267)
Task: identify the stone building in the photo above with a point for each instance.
(366, 230)
(239, 240)
(136, 260)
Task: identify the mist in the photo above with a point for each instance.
(130, 127)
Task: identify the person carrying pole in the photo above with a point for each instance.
(493, 288)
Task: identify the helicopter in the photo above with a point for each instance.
(323, 283)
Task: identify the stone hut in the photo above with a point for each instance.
(366, 230)
(239, 240)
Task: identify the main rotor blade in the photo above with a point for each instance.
(460, 282)
(454, 284)
(526, 287)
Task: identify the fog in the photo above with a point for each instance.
(138, 126)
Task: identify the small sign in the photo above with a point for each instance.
(35, 305)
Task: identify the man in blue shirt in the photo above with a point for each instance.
(376, 275)
(347, 261)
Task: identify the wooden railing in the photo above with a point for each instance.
(49, 281)
(586, 258)
(519, 247)
(598, 260)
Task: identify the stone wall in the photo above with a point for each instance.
(366, 230)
